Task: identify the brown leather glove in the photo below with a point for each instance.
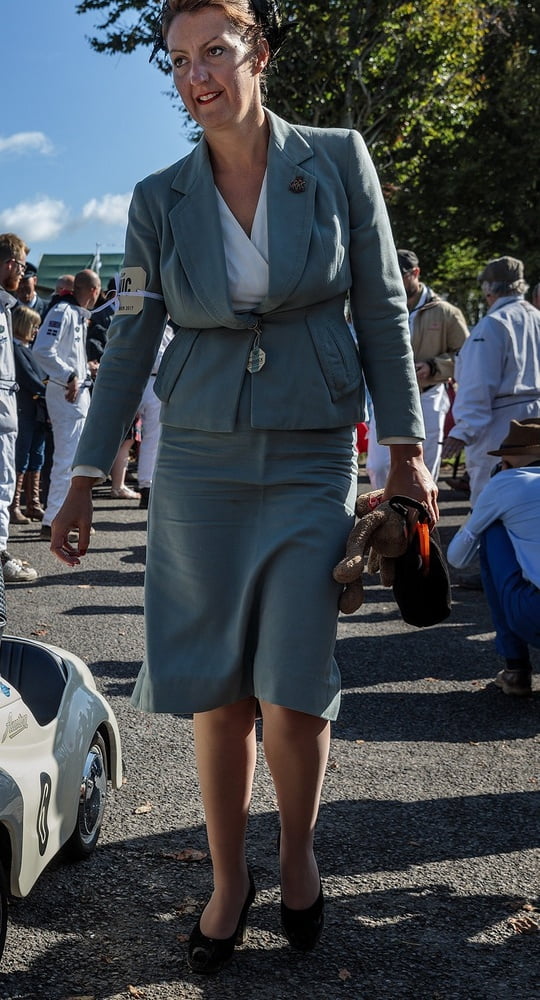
(383, 531)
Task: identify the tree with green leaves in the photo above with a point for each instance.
(479, 197)
(445, 93)
(402, 72)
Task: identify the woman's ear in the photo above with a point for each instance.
(263, 56)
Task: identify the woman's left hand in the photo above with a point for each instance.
(409, 477)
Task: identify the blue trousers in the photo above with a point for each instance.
(30, 447)
(514, 603)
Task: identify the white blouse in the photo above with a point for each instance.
(246, 256)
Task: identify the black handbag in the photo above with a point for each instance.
(421, 586)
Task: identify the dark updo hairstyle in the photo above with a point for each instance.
(253, 19)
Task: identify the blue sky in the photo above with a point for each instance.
(78, 130)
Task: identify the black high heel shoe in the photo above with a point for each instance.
(208, 955)
(302, 928)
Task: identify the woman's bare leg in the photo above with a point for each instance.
(296, 746)
(119, 468)
(225, 748)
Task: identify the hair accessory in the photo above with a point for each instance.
(298, 185)
(268, 16)
(158, 41)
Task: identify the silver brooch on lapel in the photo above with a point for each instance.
(298, 185)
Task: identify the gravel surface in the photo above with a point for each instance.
(429, 826)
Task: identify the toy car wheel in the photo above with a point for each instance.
(3, 909)
(92, 802)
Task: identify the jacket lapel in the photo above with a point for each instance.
(291, 202)
(197, 234)
(197, 231)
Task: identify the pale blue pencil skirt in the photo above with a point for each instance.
(243, 532)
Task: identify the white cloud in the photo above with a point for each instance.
(26, 142)
(35, 221)
(45, 219)
(111, 209)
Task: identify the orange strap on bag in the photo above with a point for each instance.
(422, 583)
(422, 531)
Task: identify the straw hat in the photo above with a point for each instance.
(523, 438)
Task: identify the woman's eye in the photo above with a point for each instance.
(179, 62)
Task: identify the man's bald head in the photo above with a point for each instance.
(86, 288)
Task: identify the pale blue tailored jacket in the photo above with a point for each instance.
(328, 236)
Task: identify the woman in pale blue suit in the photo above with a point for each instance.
(251, 244)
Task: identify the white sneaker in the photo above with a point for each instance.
(18, 571)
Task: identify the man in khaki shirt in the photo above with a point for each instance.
(438, 330)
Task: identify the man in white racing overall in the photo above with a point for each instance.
(60, 348)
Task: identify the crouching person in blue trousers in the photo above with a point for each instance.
(504, 526)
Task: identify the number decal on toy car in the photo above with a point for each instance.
(45, 798)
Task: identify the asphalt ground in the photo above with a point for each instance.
(429, 825)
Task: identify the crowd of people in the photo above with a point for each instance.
(488, 405)
(438, 331)
(240, 337)
(49, 359)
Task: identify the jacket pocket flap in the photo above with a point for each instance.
(173, 361)
(338, 358)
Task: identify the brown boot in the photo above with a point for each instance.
(516, 678)
(16, 515)
(33, 501)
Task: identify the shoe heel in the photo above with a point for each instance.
(209, 955)
(303, 928)
(242, 928)
(242, 933)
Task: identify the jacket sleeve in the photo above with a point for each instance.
(133, 342)
(379, 305)
(29, 376)
(490, 507)
(45, 347)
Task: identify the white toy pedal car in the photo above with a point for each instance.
(59, 746)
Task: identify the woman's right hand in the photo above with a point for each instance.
(75, 514)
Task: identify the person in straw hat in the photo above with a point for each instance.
(505, 527)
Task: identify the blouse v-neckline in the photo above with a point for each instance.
(246, 257)
(258, 236)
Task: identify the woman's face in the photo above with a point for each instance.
(215, 72)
